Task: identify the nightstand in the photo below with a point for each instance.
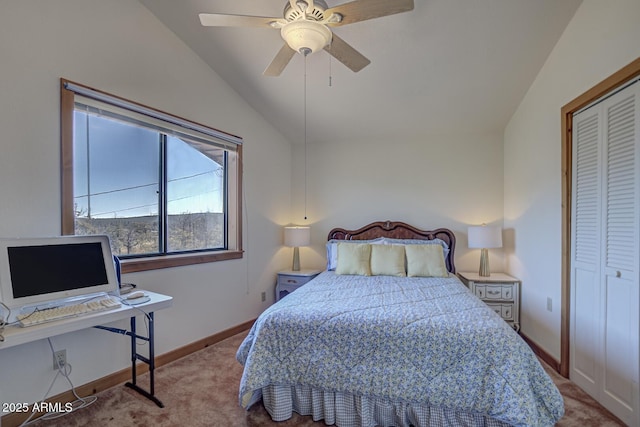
(499, 291)
(289, 281)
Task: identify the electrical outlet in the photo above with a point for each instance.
(59, 359)
(549, 304)
(263, 296)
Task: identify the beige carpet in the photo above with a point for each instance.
(202, 390)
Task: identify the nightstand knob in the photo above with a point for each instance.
(618, 274)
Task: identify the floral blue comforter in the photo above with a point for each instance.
(426, 341)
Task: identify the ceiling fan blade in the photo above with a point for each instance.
(221, 20)
(362, 10)
(346, 54)
(280, 61)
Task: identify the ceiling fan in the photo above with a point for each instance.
(305, 28)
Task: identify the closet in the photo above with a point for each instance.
(605, 252)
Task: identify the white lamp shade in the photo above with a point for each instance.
(485, 237)
(297, 236)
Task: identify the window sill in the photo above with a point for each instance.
(156, 263)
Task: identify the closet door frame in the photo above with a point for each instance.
(619, 78)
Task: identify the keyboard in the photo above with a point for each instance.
(62, 312)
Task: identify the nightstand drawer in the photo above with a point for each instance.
(494, 292)
(286, 279)
(284, 290)
(504, 310)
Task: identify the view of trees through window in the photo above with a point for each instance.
(150, 192)
(139, 235)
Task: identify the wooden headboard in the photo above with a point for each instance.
(398, 230)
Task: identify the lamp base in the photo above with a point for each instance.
(484, 263)
(296, 259)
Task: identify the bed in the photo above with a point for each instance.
(368, 350)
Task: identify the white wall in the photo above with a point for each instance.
(118, 46)
(601, 38)
(436, 181)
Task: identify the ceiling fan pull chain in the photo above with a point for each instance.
(305, 134)
(330, 71)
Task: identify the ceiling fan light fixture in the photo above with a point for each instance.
(302, 35)
(306, 28)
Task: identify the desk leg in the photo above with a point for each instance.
(135, 356)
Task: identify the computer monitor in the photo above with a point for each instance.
(35, 271)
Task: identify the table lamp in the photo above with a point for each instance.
(295, 237)
(484, 238)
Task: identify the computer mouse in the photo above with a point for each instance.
(134, 295)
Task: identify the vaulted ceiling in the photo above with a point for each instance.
(447, 66)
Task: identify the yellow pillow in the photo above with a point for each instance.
(387, 260)
(425, 261)
(354, 259)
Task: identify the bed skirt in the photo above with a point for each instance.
(347, 410)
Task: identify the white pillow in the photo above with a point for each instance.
(387, 260)
(425, 261)
(354, 259)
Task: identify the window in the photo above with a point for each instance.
(165, 190)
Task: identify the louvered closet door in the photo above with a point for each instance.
(585, 256)
(605, 257)
(619, 290)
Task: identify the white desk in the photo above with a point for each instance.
(16, 335)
